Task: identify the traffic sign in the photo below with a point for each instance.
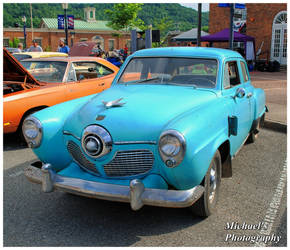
(223, 5)
(240, 6)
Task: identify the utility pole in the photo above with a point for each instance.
(32, 35)
(199, 25)
(65, 7)
(231, 38)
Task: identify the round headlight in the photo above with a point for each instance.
(32, 131)
(172, 147)
(96, 141)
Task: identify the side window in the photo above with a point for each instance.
(102, 70)
(233, 73)
(244, 72)
(226, 80)
(89, 70)
(71, 75)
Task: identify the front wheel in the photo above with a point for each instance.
(205, 206)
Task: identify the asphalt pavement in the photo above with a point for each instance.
(32, 218)
(275, 86)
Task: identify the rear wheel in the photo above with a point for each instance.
(253, 136)
(205, 206)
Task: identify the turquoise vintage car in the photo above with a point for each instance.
(163, 135)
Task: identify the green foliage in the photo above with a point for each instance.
(47, 49)
(123, 15)
(14, 43)
(183, 18)
(204, 28)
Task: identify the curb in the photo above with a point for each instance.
(276, 126)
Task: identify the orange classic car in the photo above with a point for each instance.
(44, 82)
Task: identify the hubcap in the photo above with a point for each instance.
(212, 183)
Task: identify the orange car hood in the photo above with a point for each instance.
(13, 71)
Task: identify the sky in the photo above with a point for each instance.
(205, 6)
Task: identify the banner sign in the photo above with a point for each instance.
(61, 22)
(70, 22)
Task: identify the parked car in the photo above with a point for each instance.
(85, 48)
(163, 135)
(26, 55)
(47, 82)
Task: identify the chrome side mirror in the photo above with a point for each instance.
(240, 93)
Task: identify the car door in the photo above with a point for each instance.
(88, 77)
(234, 89)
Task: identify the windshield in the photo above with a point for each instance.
(46, 71)
(196, 72)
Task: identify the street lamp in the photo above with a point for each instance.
(24, 31)
(65, 7)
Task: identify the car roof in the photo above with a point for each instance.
(188, 52)
(66, 59)
(42, 54)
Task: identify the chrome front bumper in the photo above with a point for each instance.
(137, 195)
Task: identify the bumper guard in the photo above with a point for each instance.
(137, 195)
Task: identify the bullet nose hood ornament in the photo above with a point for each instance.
(115, 103)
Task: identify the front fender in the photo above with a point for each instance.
(204, 129)
(52, 148)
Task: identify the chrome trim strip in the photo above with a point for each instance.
(65, 132)
(137, 195)
(134, 142)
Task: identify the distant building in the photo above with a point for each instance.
(89, 29)
(188, 38)
(267, 23)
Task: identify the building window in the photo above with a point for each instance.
(6, 42)
(111, 44)
(91, 14)
(98, 40)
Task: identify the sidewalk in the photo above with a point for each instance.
(275, 87)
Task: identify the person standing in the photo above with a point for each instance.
(62, 47)
(35, 47)
(19, 48)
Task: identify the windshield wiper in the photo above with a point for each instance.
(147, 80)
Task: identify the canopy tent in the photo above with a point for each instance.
(189, 36)
(223, 36)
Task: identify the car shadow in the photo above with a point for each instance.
(13, 142)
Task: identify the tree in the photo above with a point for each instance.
(164, 26)
(124, 16)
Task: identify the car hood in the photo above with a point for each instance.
(13, 71)
(147, 109)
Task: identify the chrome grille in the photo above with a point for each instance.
(128, 163)
(79, 157)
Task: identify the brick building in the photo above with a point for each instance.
(267, 23)
(89, 29)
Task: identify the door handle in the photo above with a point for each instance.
(249, 95)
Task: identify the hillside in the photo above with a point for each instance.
(183, 18)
